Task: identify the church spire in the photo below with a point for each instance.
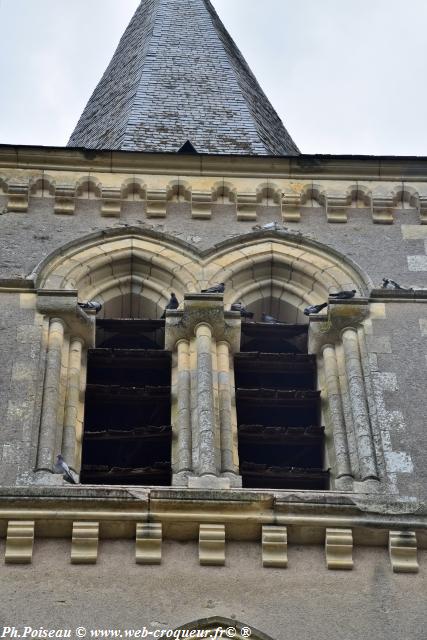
(178, 77)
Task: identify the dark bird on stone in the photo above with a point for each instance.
(314, 308)
(391, 284)
(268, 319)
(217, 288)
(343, 295)
(90, 305)
(237, 306)
(62, 467)
(172, 304)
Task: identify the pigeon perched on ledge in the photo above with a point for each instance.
(391, 284)
(217, 288)
(172, 304)
(343, 295)
(314, 308)
(237, 306)
(90, 305)
(62, 467)
(269, 319)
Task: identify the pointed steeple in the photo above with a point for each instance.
(177, 76)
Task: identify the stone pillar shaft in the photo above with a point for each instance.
(72, 402)
(225, 408)
(343, 465)
(184, 457)
(49, 414)
(205, 400)
(359, 407)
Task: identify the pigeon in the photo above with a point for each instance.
(391, 284)
(237, 306)
(314, 308)
(268, 319)
(217, 288)
(62, 467)
(269, 226)
(172, 304)
(343, 295)
(90, 305)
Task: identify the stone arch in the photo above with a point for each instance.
(269, 194)
(405, 197)
(358, 196)
(129, 272)
(224, 193)
(133, 189)
(88, 187)
(42, 187)
(313, 195)
(178, 191)
(282, 274)
(212, 624)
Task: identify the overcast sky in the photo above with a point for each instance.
(346, 76)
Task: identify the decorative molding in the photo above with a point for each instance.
(336, 209)
(212, 544)
(19, 542)
(111, 202)
(84, 545)
(201, 205)
(339, 548)
(65, 203)
(246, 206)
(291, 207)
(274, 546)
(18, 197)
(402, 546)
(382, 210)
(156, 203)
(148, 543)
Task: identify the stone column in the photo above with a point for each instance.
(205, 400)
(49, 413)
(184, 457)
(359, 406)
(225, 409)
(72, 402)
(343, 466)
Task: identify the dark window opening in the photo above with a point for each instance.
(127, 431)
(281, 440)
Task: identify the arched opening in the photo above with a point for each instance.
(126, 436)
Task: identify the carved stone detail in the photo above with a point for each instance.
(19, 542)
(274, 546)
(402, 546)
(84, 546)
(339, 548)
(212, 544)
(148, 543)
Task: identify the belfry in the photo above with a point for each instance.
(213, 354)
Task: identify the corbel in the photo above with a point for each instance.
(18, 197)
(422, 209)
(212, 544)
(156, 203)
(274, 546)
(65, 202)
(246, 206)
(111, 203)
(402, 547)
(339, 548)
(336, 209)
(201, 205)
(19, 542)
(382, 210)
(148, 543)
(84, 544)
(291, 207)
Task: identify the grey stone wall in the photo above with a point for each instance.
(305, 601)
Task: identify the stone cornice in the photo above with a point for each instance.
(297, 167)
